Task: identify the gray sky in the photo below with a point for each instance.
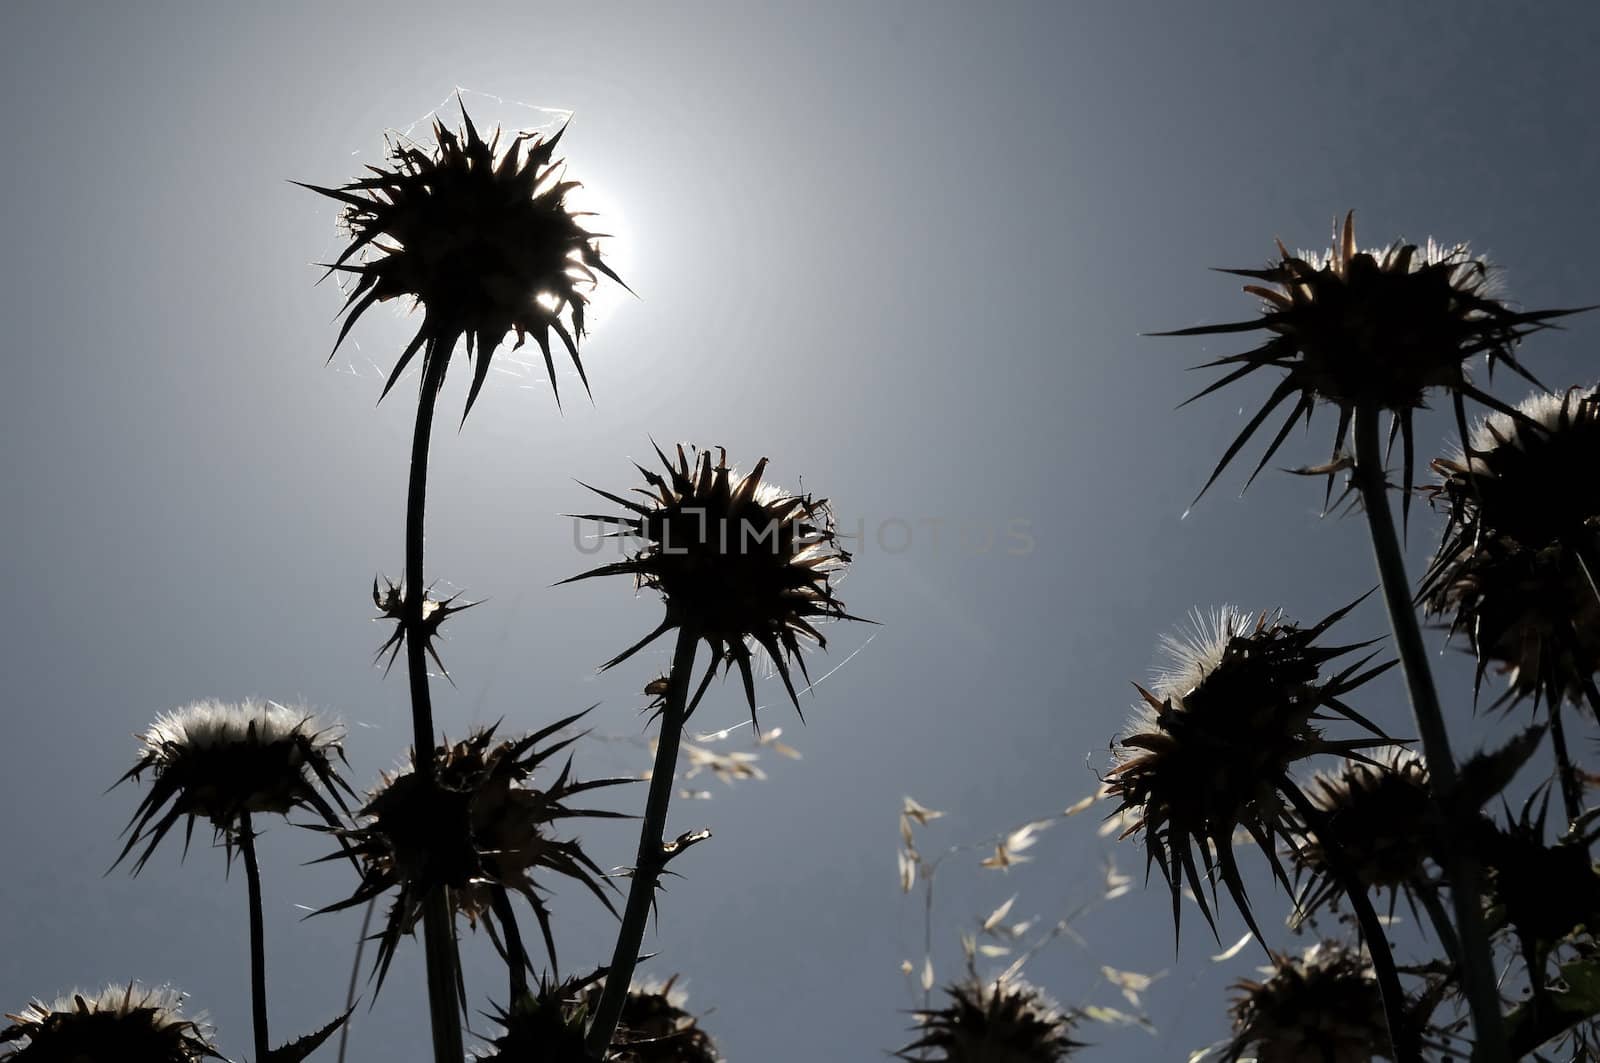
(905, 250)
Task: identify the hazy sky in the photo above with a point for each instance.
(904, 250)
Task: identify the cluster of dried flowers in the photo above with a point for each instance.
(1223, 747)
(482, 238)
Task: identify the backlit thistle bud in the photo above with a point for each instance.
(1322, 1007)
(1516, 567)
(391, 602)
(1374, 329)
(1382, 820)
(1209, 751)
(1003, 1021)
(130, 1022)
(481, 829)
(481, 239)
(739, 562)
(222, 762)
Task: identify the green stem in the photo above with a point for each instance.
(1394, 998)
(652, 857)
(439, 943)
(258, 942)
(1459, 862)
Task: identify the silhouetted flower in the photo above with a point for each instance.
(547, 1025)
(1380, 817)
(1516, 566)
(1322, 1007)
(1209, 751)
(739, 562)
(1003, 1021)
(482, 240)
(1374, 329)
(391, 602)
(479, 828)
(131, 1022)
(221, 761)
(1545, 890)
(655, 1028)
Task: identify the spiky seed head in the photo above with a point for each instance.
(482, 239)
(1319, 1007)
(655, 1028)
(132, 1022)
(739, 562)
(479, 828)
(221, 761)
(1381, 818)
(1209, 749)
(547, 1025)
(1521, 547)
(1002, 1021)
(1372, 329)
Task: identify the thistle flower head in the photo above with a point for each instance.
(482, 239)
(1209, 751)
(1320, 1007)
(549, 1025)
(1374, 329)
(1003, 1021)
(655, 1028)
(739, 562)
(131, 1022)
(1382, 820)
(222, 761)
(480, 829)
(1516, 566)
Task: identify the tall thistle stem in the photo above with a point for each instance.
(1394, 998)
(258, 937)
(439, 942)
(652, 857)
(1460, 864)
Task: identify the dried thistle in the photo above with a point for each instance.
(223, 762)
(1382, 820)
(549, 1025)
(1003, 1021)
(132, 1022)
(481, 239)
(480, 829)
(1321, 1007)
(1209, 751)
(1516, 566)
(1374, 329)
(655, 1028)
(739, 562)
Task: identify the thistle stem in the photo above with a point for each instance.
(652, 857)
(355, 969)
(516, 953)
(258, 937)
(1394, 998)
(1460, 864)
(439, 943)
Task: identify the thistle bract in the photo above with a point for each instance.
(480, 828)
(739, 562)
(220, 761)
(131, 1023)
(1516, 564)
(1003, 1021)
(1374, 329)
(655, 1028)
(1209, 750)
(481, 239)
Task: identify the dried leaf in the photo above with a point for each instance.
(918, 812)
(998, 914)
(1234, 950)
